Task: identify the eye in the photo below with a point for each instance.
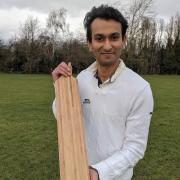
(99, 38)
(115, 37)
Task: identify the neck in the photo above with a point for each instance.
(105, 72)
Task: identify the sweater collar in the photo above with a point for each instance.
(93, 69)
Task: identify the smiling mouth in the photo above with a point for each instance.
(107, 53)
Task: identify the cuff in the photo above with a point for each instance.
(103, 170)
(54, 108)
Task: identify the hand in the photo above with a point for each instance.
(93, 174)
(62, 69)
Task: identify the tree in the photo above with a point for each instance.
(139, 16)
(56, 24)
(30, 29)
(29, 33)
(170, 61)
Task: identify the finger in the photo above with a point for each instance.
(62, 72)
(66, 67)
(63, 64)
(58, 72)
(55, 75)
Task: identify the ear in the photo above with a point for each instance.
(124, 42)
(89, 46)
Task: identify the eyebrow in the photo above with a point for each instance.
(114, 33)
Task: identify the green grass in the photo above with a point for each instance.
(28, 134)
(162, 159)
(28, 143)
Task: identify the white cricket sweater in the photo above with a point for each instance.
(116, 117)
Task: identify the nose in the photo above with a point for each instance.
(107, 45)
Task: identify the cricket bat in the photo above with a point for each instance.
(71, 141)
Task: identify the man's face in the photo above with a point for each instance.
(107, 41)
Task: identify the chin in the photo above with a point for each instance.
(107, 63)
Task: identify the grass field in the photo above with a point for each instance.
(28, 139)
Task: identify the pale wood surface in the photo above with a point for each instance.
(71, 141)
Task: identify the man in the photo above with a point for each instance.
(117, 103)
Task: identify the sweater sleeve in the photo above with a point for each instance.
(135, 142)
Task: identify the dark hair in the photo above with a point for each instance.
(104, 12)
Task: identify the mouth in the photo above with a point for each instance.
(107, 53)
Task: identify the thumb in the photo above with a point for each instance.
(70, 66)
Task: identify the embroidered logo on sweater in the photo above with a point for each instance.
(86, 101)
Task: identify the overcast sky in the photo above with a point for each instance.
(14, 12)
